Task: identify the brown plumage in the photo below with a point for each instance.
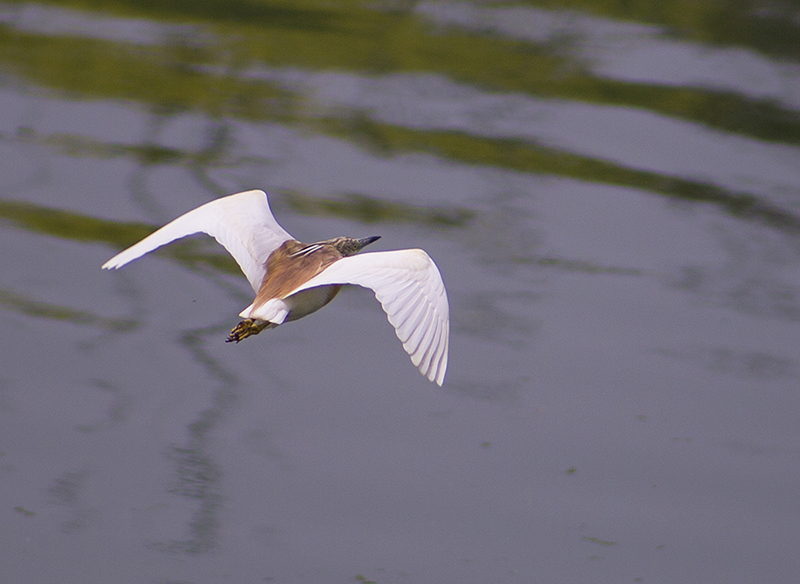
(291, 265)
(288, 267)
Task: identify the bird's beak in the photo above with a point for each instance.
(365, 241)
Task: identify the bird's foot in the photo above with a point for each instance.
(246, 328)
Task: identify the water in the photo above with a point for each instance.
(613, 199)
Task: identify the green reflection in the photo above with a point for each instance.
(24, 511)
(371, 210)
(308, 15)
(769, 27)
(348, 36)
(67, 225)
(204, 76)
(145, 154)
(159, 78)
(528, 157)
(29, 307)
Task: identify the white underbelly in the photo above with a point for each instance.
(296, 306)
(308, 301)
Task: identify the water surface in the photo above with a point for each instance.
(611, 193)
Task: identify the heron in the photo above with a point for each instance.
(293, 279)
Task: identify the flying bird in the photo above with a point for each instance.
(293, 279)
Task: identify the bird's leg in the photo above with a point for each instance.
(246, 328)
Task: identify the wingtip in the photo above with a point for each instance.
(117, 261)
(111, 264)
(438, 368)
(435, 372)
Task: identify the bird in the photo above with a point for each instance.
(293, 279)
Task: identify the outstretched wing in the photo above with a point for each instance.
(242, 223)
(409, 287)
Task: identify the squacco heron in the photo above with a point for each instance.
(292, 279)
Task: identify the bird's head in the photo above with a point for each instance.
(348, 246)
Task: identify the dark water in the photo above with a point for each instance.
(610, 189)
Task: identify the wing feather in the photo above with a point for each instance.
(410, 289)
(430, 346)
(242, 223)
(440, 358)
(412, 345)
(409, 317)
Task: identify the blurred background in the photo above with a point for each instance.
(611, 191)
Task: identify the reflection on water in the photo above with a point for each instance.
(66, 491)
(610, 189)
(198, 479)
(12, 301)
(760, 366)
(647, 51)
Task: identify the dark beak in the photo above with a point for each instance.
(365, 241)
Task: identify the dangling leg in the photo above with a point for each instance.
(248, 327)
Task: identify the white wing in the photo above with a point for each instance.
(242, 223)
(409, 287)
